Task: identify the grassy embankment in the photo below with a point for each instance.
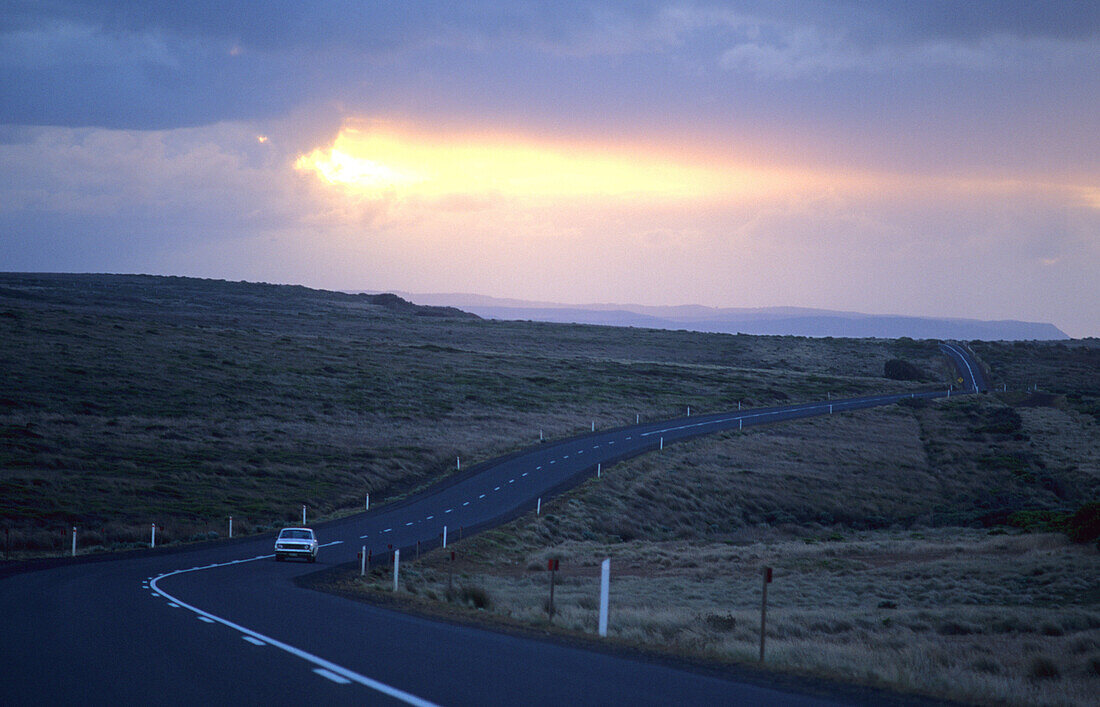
(909, 544)
(132, 400)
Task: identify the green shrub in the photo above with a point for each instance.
(899, 370)
(1039, 521)
(1084, 525)
(1043, 668)
(475, 597)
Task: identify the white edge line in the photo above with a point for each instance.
(382, 687)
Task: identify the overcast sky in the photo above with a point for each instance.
(922, 158)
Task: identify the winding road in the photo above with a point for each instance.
(223, 623)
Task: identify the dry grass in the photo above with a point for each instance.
(957, 614)
(131, 400)
(866, 518)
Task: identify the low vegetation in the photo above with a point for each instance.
(130, 400)
(944, 548)
(927, 547)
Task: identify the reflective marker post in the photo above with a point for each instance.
(74, 541)
(396, 562)
(551, 565)
(153, 538)
(764, 609)
(605, 581)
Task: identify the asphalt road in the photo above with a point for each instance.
(223, 622)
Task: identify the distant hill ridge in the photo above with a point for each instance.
(191, 293)
(790, 321)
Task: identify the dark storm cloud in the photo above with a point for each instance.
(152, 65)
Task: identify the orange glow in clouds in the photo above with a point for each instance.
(383, 160)
(374, 159)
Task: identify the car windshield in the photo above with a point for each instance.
(295, 535)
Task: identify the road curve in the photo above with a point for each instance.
(223, 623)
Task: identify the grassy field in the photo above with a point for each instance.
(908, 545)
(130, 400)
(916, 547)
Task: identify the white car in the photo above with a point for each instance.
(296, 542)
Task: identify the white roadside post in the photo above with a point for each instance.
(363, 561)
(366, 503)
(541, 439)
(830, 409)
(444, 537)
(605, 581)
(662, 443)
(396, 562)
(231, 527)
(303, 514)
(637, 417)
(538, 507)
(689, 411)
(738, 404)
(599, 466)
(153, 537)
(74, 541)
(593, 425)
(740, 423)
(458, 463)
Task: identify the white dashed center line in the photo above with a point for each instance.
(206, 620)
(465, 503)
(339, 679)
(254, 641)
(481, 496)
